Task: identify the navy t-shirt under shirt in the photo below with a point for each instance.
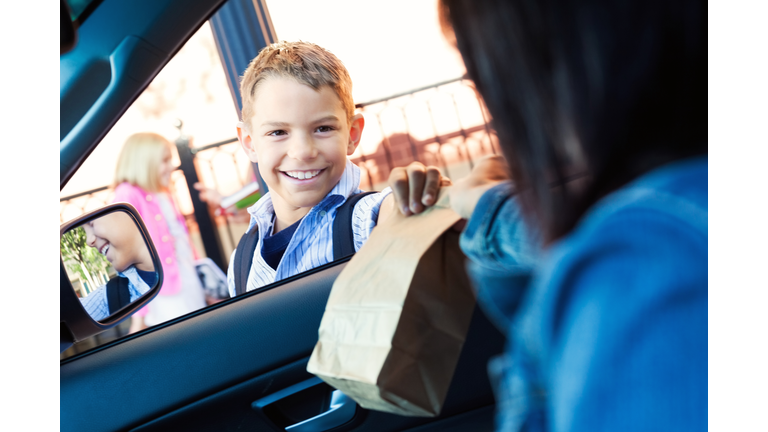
(274, 246)
(149, 277)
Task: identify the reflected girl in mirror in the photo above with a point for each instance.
(142, 178)
(115, 236)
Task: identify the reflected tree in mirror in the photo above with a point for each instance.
(84, 261)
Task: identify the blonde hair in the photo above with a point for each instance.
(307, 63)
(139, 161)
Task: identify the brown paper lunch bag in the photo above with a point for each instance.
(397, 316)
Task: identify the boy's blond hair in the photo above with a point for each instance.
(307, 63)
(139, 161)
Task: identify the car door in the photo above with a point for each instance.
(239, 364)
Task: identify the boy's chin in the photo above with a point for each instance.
(306, 202)
(303, 199)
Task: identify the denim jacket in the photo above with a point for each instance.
(607, 327)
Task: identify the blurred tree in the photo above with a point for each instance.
(82, 259)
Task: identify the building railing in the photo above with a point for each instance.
(444, 124)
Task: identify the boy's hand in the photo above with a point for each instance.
(465, 193)
(416, 187)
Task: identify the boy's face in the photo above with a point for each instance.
(301, 139)
(117, 238)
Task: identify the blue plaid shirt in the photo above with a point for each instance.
(96, 303)
(312, 244)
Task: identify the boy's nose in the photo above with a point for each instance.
(302, 148)
(90, 239)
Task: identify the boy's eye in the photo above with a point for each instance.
(325, 129)
(278, 132)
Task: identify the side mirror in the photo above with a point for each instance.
(109, 270)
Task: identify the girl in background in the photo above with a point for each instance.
(142, 178)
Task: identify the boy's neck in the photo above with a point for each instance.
(286, 215)
(144, 266)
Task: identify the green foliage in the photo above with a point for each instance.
(77, 255)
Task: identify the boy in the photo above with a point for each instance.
(116, 237)
(299, 125)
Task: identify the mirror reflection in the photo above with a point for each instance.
(108, 263)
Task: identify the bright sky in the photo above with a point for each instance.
(388, 47)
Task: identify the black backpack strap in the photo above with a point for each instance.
(244, 258)
(118, 294)
(343, 236)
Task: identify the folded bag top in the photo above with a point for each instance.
(397, 315)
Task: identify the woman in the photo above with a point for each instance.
(595, 262)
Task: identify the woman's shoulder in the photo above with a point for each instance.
(673, 196)
(651, 233)
(640, 253)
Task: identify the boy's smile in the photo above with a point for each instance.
(303, 175)
(104, 249)
(300, 138)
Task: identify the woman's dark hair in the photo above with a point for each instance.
(602, 90)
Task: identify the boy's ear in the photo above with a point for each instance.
(356, 125)
(246, 142)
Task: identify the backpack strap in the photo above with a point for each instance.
(118, 294)
(343, 242)
(244, 258)
(343, 236)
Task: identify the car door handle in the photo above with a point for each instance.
(341, 409)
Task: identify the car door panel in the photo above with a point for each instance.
(203, 371)
(189, 358)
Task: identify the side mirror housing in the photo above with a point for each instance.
(109, 270)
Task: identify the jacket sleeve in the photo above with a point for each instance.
(502, 251)
(496, 234)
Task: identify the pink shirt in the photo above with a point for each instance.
(147, 205)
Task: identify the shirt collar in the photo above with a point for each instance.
(346, 186)
(135, 279)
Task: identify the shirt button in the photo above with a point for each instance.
(168, 260)
(165, 239)
(149, 197)
(322, 213)
(158, 217)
